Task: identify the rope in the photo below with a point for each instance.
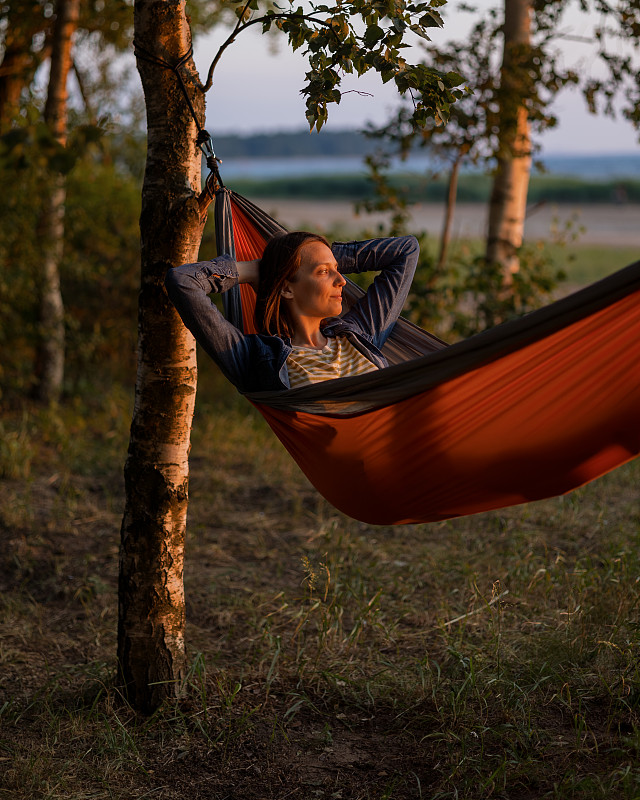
(203, 139)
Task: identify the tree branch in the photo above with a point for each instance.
(238, 29)
(83, 91)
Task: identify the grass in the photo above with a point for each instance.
(587, 263)
(493, 656)
(581, 263)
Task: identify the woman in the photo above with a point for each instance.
(299, 281)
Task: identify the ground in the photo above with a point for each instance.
(493, 656)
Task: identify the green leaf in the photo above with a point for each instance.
(14, 138)
(420, 31)
(431, 20)
(336, 44)
(63, 161)
(372, 35)
(453, 79)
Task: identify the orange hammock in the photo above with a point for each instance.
(531, 409)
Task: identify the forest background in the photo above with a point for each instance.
(493, 656)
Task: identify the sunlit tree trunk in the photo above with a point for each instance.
(452, 194)
(151, 619)
(508, 202)
(50, 355)
(12, 80)
(19, 62)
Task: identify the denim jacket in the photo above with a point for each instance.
(257, 362)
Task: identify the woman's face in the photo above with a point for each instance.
(316, 289)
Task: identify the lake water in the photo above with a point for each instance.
(591, 167)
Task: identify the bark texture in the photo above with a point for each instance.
(50, 355)
(151, 620)
(507, 207)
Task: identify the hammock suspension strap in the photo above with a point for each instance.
(203, 139)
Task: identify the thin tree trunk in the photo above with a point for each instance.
(49, 368)
(445, 236)
(508, 202)
(13, 79)
(151, 618)
(50, 355)
(19, 61)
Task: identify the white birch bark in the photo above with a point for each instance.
(151, 621)
(50, 353)
(507, 206)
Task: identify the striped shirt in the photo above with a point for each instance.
(337, 359)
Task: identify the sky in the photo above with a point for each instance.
(257, 89)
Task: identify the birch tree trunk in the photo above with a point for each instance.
(151, 615)
(445, 236)
(50, 354)
(507, 206)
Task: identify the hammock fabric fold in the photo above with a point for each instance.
(531, 409)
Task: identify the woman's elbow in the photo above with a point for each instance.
(410, 248)
(412, 245)
(174, 282)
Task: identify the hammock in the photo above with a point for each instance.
(531, 409)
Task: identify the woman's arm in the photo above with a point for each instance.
(395, 260)
(189, 286)
(249, 272)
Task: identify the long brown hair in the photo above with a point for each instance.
(279, 264)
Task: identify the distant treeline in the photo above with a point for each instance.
(417, 188)
(294, 144)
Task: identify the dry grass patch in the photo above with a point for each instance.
(492, 656)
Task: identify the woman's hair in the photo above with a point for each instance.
(279, 264)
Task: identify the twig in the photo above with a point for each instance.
(239, 29)
(83, 91)
(476, 610)
(357, 91)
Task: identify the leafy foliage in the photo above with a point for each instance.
(468, 129)
(28, 28)
(480, 300)
(355, 37)
(98, 271)
(473, 136)
(36, 146)
(469, 295)
(470, 135)
(616, 37)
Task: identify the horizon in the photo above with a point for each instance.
(542, 153)
(633, 152)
